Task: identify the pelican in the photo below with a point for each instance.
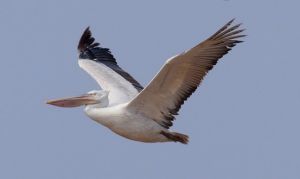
(146, 114)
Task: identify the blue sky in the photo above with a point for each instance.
(243, 121)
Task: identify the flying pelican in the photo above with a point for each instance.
(146, 114)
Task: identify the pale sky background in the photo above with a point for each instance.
(243, 121)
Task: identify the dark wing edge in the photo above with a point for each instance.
(89, 49)
(219, 43)
(199, 61)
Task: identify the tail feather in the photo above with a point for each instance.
(176, 137)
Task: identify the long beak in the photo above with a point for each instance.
(74, 101)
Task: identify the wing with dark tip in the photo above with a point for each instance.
(102, 66)
(182, 74)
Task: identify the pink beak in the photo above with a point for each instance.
(74, 101)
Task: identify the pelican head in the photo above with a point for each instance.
(94, 98)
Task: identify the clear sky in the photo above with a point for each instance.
(243, 121)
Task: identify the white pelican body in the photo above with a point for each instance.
(146, 114)
(127, 123)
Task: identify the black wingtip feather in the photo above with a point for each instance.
(82, 45)
(89, 49)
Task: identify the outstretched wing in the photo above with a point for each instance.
(102, 66)
(182, 74)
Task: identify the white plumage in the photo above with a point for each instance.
(120, 90)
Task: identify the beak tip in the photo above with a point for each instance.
(48, 102)
(53, 103)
